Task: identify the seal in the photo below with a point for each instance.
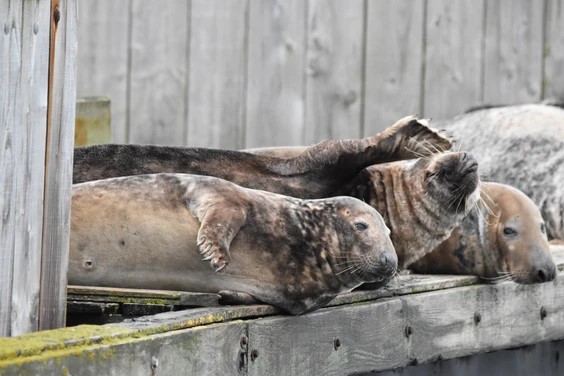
(323, 170)
(502, 239)
(151, 231)
(521, 146)
(421, 200)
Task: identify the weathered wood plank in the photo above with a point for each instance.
(24, 56)
(158, 86)
(335, 57)
(553, 80)
(103, 37)
(93, 121)
(513, 51)
(218, 56)
(394, 37)
(453, 57)
(58, 164)
(275, 83)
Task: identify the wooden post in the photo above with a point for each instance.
(35, 161)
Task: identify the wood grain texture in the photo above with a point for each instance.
(275, 84)
(218, 55)
(453, 57)
(58, 165)
(334, 70)
(159, 40)
(24, 52)
(553, 79)
(394, 61)
(513, 51)
(103, 37)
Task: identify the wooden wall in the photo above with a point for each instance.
(247, 73)
(37, 101)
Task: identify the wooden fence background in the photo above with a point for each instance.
(246, 73)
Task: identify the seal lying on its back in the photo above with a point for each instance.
(522, 146)
(503, 239)
(421, 200)
(145, 232)
(324, 170)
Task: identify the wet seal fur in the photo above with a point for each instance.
(421, 200)
(521, 146)
(323, 170)
(503, 238)
(151, 231)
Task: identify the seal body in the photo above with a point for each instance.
(151, 231)
(323, 170)
(504, 238)
(421, 200)
(522, 146)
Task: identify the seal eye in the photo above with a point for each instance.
(543, 228)
(361, 226)
(509, 231)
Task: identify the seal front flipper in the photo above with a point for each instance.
(218, 226)
(236, 297)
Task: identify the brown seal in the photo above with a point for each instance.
(504, 238)
(421, 200)
(324, 170)
(148, 231)
(522, 146)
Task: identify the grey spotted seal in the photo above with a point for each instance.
(151, 231)
(503, 238)
(323, 170)
(421, 200)
(522, 146)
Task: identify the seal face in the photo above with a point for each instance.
(522, 146)
(323, 170)
(422, 200)
(151, 231)
(502, 239)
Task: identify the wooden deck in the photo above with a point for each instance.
(421, 319)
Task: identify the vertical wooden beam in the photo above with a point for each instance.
(102, 66)
(218, 56)
(24, 58)
(275, 89)
(513, 51)
(394, 45)
(334, 69)
(158, 87)
(553, 80)
(453, 56)
(58, 163)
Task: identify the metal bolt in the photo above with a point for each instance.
(408, 331)
(543, 313)
(254, 355)
(477, 318)
(337, 343)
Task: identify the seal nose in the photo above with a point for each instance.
(389, 260)
(546, 274)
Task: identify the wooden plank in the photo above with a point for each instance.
(24, 56)
(140, 296)
(158, 86)
(334, 70)
(513, 51)
(103, 37)
(394, 37)
(58, 164)
(453, 57)
(553, 80)
(218, 55)
(92, 123)
(275, 88)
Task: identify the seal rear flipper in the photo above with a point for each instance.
(218, 226)
(229, 297)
